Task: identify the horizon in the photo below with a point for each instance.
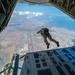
(55, 16)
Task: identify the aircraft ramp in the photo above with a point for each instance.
(59, 61)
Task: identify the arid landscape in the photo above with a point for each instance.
(23, 41)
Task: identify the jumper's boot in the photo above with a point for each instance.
(48, 45)
(57, 44)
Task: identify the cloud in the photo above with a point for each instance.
(12, 15)
(29, 14)
(71, 19)
(50, 18)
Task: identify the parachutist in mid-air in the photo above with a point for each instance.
(45, 33)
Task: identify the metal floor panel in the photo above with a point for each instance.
(51, 62)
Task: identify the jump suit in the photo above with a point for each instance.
(45, 34)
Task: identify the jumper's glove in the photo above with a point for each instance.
(38, 32)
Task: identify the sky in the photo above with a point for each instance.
(53, 15)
